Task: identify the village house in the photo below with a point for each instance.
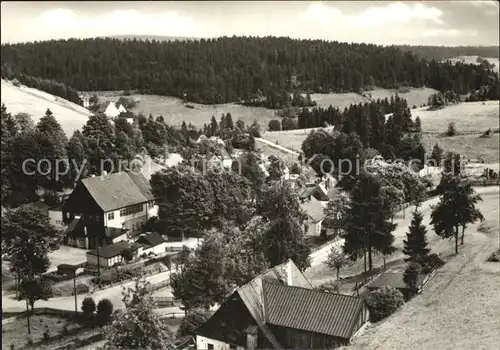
(315, 211)
(273, 311)
(108, 209)
(112, 111)
(111, 254)
(84, 99)
(108, 256)
(151, 242)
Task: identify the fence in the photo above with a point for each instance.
(44, 311)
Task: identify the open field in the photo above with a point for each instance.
(471, 118)
(175, 111)
(35, 102)
(16, 332)
(461, 299)
(467, 116)
(415, 97)
(473, 60)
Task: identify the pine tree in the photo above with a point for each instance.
(418, 125)
(415, 245)
(229, 121)
(368, 225)
(213, 127)
(437, 154)
(457, 207)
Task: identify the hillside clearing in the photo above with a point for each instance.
(470, 118)
(35, 102)
(175, 111)
(461, 299)
(473, 60)
(467, 116)
(415, 96)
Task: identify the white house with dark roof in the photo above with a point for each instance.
(315, 211)
(111, 111)
(108, 208)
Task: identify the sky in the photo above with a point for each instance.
(448, 23)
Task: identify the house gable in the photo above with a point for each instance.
(229, 322)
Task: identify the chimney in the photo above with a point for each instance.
(251, 332)
(289, 280)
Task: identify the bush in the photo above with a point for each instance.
(383, 302)
(88, 306)
(431, 262)
(46, 335)
(16, 82)
(330, 287)
(494, 257)
(190, 323)
(451, 131)
(104, 311)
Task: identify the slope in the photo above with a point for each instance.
(23, 99)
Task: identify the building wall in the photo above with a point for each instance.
(118, 220)
(103, 262)
(56, 219)
(202, 343)
(298, 339)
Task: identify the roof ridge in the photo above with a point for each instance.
(274, 268)
(312, 290)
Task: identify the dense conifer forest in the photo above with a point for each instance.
(232, 69)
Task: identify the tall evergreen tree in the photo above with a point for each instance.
(415, 245)
(368, 225)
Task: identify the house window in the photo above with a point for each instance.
(210, 346)
(111, 216)
(131, 210)
(151, 204)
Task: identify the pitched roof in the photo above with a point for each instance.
(252, 294)
(142, 184)
(110, 251)
(314, 209)
(311, 310)
(307, 192)
(393, 279)
(115, 191)
(153, 239)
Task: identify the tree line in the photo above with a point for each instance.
(232, 69)
(440, 53)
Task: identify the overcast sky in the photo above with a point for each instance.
(379, 22)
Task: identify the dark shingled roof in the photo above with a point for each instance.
(143, 185)
(118, 190)
(311, 310)
(110, 251)
(152, 239)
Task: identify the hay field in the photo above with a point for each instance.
(35, 102)
(458, 309)
(291, 139)
(471, 120)
(416, 96)
(473, 60)
(175, 111)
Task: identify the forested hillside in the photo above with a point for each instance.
(232, 69)
(440, 53)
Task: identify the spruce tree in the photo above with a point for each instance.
(368, 225)
(415, 245)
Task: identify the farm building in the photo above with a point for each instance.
(151, 243)
(273, 312)
(109, 255)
